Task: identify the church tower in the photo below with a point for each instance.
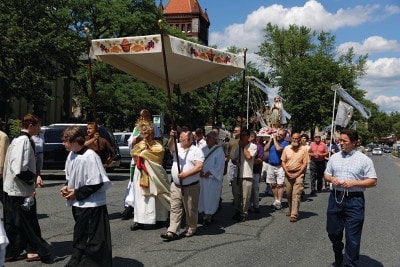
(189, 17)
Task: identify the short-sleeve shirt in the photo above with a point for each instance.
(260, 155)
(318, 149)
(186, 162)
(274, 155)
(295, 159)
(352, 166)
(246, 167)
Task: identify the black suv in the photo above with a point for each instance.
(54, 152)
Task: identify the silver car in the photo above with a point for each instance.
(125, 152)
(377, 151)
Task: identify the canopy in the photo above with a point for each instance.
(189, 65)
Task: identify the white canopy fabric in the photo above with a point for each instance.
(189, 65)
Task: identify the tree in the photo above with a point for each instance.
(37, 46)
(307, 66)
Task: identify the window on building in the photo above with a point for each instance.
(189, 27)
(183, 27)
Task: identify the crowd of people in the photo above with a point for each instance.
(200, 162)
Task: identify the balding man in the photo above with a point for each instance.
(294, 162)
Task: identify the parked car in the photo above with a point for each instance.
(122, 141)
(387, 149)
(369, 147)
(377, 151)
(54, 153)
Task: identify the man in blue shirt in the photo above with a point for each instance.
(275, 172)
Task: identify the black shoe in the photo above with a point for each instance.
(313, 193)
(169, 236)
(136, 226)
(338, 259)
(236, 216)
(257, 210)
(127, 213)
(206, 223)
(242, 219)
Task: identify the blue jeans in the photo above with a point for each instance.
(349, 216)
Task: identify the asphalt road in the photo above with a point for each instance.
(265, 239)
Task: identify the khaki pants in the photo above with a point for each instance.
(242, 194)
(294, 187)
(188, 202)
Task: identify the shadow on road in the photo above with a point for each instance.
(118, 261)
(366, 261)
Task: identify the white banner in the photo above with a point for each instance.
(344, 114)
(365, 112)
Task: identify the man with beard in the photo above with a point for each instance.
(294, 162)
(99, 144)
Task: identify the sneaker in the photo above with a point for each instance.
(277, 205)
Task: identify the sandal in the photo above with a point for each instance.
(187, 234)
(35, 258)
(19, 257)
(169, 236)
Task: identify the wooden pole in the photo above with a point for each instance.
(171, 112)
(92, 88)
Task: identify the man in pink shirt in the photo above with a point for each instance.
(318, 152)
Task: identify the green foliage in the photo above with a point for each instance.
(37, 46)
(15, 127)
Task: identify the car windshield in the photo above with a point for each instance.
(53, 136)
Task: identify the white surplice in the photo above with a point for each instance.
(211, 187)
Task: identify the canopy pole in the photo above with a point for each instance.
(241, 115)
(333, 119)
(248, 100)
(171, 112)
(93, 93)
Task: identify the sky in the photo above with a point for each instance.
(369, 26)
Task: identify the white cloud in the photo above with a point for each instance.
(313, 15)
(382, 81)
(371, 45)
(382, 77)
(390, 103)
